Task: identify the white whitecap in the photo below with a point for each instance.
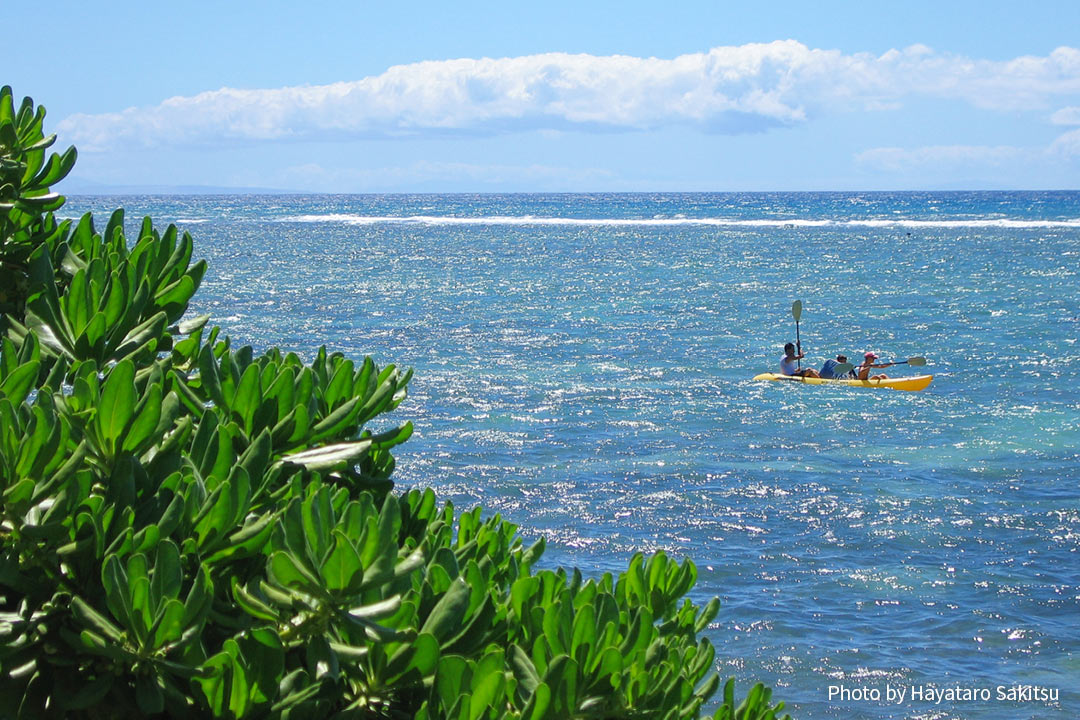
(448, 220)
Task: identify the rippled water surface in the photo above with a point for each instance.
(583, 367)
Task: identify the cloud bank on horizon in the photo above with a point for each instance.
(728, 90)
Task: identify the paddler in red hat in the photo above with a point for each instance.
(868, 364)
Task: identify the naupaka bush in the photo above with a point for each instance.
(191, 529)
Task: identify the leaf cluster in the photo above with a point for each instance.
(26, 176)
(191, 529)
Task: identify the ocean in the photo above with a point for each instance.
(583, 367)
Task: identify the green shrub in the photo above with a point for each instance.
(189, 529)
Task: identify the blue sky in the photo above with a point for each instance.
(558, 96)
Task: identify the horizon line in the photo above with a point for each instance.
(210, 190)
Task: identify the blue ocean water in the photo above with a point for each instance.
(583, 367)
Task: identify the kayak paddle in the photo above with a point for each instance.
(845, 368)
(914, 362)
(796, 310)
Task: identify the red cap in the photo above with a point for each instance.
(870, 356)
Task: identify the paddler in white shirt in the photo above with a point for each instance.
(788, 363)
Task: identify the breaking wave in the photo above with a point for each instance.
(348, 219)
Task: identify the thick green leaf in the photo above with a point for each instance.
(420, 656)
(524, 671)
(117, 592)
(94, 620)
(148, 695)
(539, 705)
(151, 328)
(328, 457)
(20, 381)
(264, 661)
(247, 398)
(177, 293)
(215, 681)
(708, 613)
(487, 693)
(340, 419)
(250, 538)
(445, 618)
(288, 572)
(380, 609)
(451, 677)
(192, 325)
(342, 564)
(199, 598)
(146, 420)
(117, 405)
(88, 694)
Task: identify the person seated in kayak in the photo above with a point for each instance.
(788, 363)
(868, 364)
(828, 370)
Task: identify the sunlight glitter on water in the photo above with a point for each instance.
(587, 376)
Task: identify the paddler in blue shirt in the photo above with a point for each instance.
(828, 369)
(788, 364)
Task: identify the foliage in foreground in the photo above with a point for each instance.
(189, 529)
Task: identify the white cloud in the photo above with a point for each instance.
(951, 158)
(429, 174)
(748, 88)
(316, 177)
(1068, 145)
(942, 156)
(1066, 116)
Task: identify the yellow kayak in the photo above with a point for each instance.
(913, 384)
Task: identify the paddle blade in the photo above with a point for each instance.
(917, 361)
(796, 309)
